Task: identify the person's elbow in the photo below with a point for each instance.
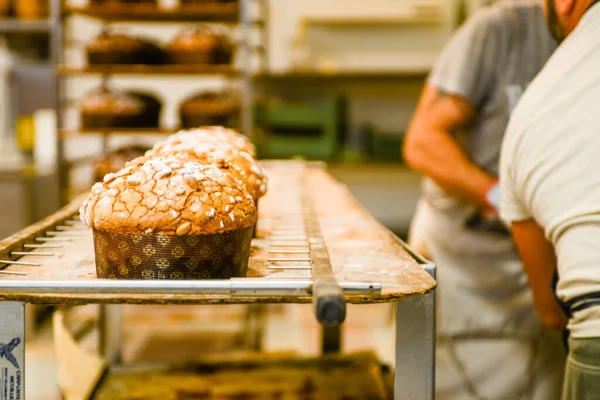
(414, 151)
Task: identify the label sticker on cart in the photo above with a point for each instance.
(12, 351)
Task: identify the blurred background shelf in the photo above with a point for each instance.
(148, 70)
(404, 19)
(378, 75)
(214, 12)
(66, 133)
(14, 25)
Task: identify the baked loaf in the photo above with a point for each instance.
(109, 48)
(124, 1)
(208, 108)
(31, 9)
(211, 134)
(200, 45)
(222, 155)
(166, 196)
(104, 108)
(115, 160)
(206, 1)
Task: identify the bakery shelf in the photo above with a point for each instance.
(214, 12)
(375, 75)
(148, 70)
(14, 25)
(65, 133)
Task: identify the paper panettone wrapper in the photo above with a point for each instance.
(214, 256)
(255, 227)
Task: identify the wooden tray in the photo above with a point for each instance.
(355, 376)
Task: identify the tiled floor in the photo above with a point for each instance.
(287, 328)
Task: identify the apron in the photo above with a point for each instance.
(484, 307)
(483, 289)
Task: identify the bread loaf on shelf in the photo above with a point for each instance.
(118, 2)
(208, 108)
(116, 160)
(4, 8)
(31, 9)
(201, 45)
(104, 108)
(114, 48)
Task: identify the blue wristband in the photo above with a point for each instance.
(493, 196)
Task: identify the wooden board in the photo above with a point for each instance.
(216, 12)
(354, 376)
(361, 250)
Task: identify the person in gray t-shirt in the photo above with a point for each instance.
(492, 344)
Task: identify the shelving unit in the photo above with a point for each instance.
(235, 12)
(208, 12)
(143, 69)
(67, 133)
(358, 75)
(14, 25)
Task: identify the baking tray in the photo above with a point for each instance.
(55, 257)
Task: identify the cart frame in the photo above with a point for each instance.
(415, 313)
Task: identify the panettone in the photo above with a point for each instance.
(200, 45)
(116, 2)
(222, 155)
(168, 219)
(31, 9)
(206, 1)
(115, 160)
(4, 8)
(208, 108)
(113, 48)
(104, 108)
(214, 134)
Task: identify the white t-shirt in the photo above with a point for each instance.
(550, 164)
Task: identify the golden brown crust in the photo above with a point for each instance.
(209, 103)
(224, 156)
(199, 38)
(115, 42)
(116, 160)
(211, 134)
(170, 197)
(106, 101)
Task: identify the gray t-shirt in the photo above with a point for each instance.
(489, 61)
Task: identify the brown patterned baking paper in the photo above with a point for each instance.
(216, 256)
(255, 227)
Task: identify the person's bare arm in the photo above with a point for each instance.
(539, 261)
(431, 147)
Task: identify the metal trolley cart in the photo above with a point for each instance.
(315, 244)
